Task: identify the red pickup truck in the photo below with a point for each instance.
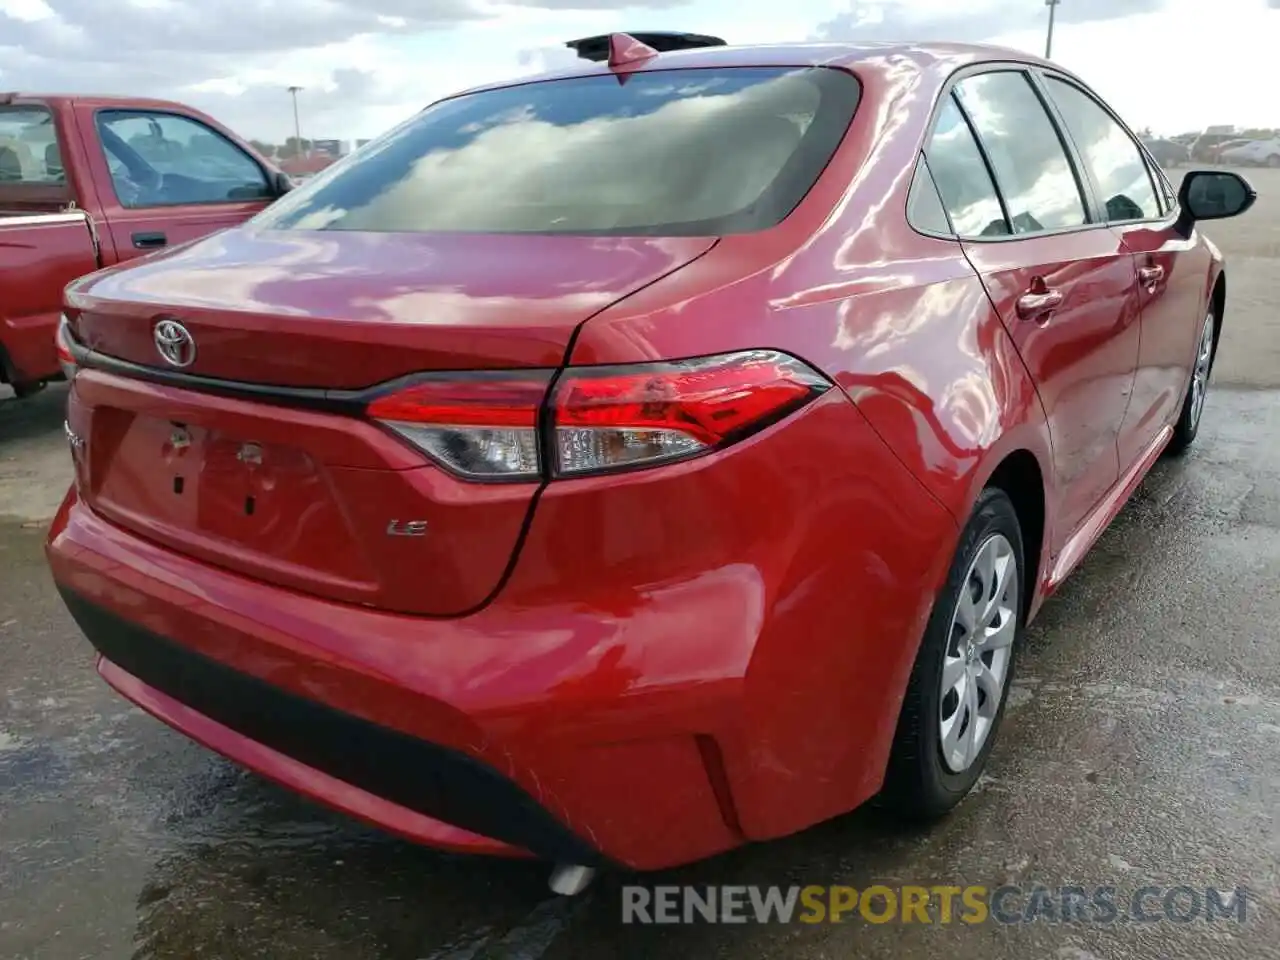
(87, 182)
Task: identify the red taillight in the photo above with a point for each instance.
(66, 360)
(611, 418)
(481, 426)
(601, 418)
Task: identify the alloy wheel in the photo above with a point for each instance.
(976, 661)
(1200, 374)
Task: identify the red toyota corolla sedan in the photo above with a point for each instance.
(633, 462)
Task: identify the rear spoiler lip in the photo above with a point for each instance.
(596, 48)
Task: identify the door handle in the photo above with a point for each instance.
(149, 241)
(1038, 302)
(1151, 275)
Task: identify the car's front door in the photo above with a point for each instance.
(1172, 269)
(1063, 284)
(171, 178)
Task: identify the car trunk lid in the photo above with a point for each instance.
(237, 460)
(342, 309)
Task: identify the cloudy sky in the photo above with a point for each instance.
(366, 64)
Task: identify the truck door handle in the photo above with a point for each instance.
(149, 241)
(1151, 275)
(1038, 302)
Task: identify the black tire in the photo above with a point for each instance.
(24, 390)
(1188, 425)
(919, 785)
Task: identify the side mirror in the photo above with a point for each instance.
(1213, 195)
(280, 183)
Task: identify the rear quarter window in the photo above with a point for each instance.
(672, 152)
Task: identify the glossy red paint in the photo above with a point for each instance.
(438, 304)
(669, 661)
(43, 247)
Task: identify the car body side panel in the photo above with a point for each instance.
(1082, 357)
(903, 324)
(899, 320)
(782, 578)
(1173, 310)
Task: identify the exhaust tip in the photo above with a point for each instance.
(570, 879)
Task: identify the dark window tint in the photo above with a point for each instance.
(29, 152)
(676, 152)
(962, 178)
(162, 159)
(1030, 164)
(1114, 160)
(924, 206)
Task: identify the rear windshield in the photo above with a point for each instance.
(674, 152)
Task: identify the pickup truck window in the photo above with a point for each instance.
(163, 159)
(29, 152)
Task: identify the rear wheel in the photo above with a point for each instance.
(1188, 425)
(960, 681)
(23, 390)
(1273, 160)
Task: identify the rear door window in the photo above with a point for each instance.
(29, 149)
(962, 177)
(1028, 158)
(671, 152)
(1115, 161)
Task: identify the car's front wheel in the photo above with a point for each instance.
(1188, 425)
(960, 681)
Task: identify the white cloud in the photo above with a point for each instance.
(366, 64)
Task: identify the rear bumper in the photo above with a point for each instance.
(646, 693)
(458, 734)
(430, 793)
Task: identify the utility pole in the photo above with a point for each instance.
(1048, 41)
(297, 126)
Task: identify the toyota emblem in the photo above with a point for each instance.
(175, 343)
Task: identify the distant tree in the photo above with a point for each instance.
(290, 148)
(266, 149)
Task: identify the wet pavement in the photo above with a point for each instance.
(1142, 748)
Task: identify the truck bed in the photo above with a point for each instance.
(39, 253)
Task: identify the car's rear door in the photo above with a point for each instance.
(1172, 269)
(1063, 284)
(210, 182)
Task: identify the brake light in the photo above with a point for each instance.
(66, 360)
(599, 418)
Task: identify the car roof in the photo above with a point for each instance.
(57, 100)
(873, 55)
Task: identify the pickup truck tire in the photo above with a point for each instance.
(24, 390)
(21, 389)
